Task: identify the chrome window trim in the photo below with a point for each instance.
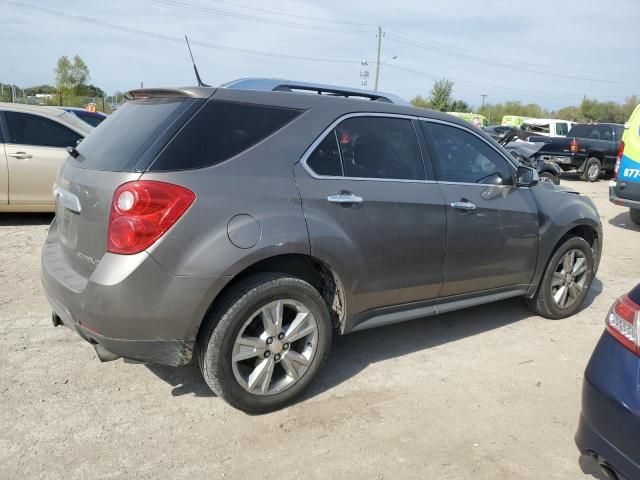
(463, 128)
(334, 124)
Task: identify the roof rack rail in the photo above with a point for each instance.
(281, 85)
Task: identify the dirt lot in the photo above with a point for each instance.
(488, 393)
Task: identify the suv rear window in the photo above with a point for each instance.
(221, 130)
(598, 132)
(130, 138)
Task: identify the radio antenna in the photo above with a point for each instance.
(195, 69)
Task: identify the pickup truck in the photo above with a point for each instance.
(589, 148)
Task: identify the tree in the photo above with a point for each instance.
(79, 74)
(460, 106)
(64, 80)
(440, 96)
(71, 76)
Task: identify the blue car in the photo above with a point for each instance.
(92, 118)
(609, 431)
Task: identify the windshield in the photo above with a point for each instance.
(76, 123)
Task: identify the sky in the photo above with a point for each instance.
(549, 52)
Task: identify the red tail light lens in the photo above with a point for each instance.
(573, 146)
(622, 323)
(619, 159)
(142, 211)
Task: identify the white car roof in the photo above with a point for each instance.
(58, 115)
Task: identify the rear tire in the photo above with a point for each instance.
(592, 169)
(635, 215)
(564, 284)
(252, 352)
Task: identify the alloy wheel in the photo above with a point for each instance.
(569, 278)
(275, 347)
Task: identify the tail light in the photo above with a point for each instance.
(622, 323)
(618, 160)
(573, 146)
(142, 211)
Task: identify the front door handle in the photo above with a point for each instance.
(345, 199)
(463, 205)
(20, 155)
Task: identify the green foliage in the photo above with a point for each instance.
(495, 112)
(460, 106)
(440, 96)
(71, 77)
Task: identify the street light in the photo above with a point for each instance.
(378, 70)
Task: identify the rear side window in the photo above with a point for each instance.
(129, 138)
(219, 131)
(29, 129)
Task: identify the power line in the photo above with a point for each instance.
(252, 18)
(290, 15)
(395, 38)
(170, 38)
(497, 88)
(477, 54)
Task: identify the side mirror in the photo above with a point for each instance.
(527, 176)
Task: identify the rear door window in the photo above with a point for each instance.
(325, 159)
(380, 147)
(219, 131)
(29, 129)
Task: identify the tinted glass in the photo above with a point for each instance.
(325, 159)
(597, 132)
(463, 157)
(29, 129)
(129, 136)
(219, 131)
(378, 147)
(562, 128)
(93, 120)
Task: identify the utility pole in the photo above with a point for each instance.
(484, 95)
(380, 33)
(13, 88)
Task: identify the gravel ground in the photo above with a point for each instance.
(487, 393)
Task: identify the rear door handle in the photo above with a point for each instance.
(20, 155)
(345, 199)
(463, 205)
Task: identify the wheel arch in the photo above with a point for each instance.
(303, 266)
(587, 230)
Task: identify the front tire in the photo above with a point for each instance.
(635, 215)
(265, 341)
(592, 169)
(549, 177)
(566, 280)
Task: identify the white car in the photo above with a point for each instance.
(546, 127)
(32, 148)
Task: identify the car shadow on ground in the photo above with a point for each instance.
(623, 220)
(351, 354)
(17, 219)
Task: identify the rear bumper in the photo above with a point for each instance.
(130, 305)
(625, 202)
(610, 418)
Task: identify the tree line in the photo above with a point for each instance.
(590, 110)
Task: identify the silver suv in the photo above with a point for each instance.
(244, 228)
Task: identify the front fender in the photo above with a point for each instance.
(560, 212)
